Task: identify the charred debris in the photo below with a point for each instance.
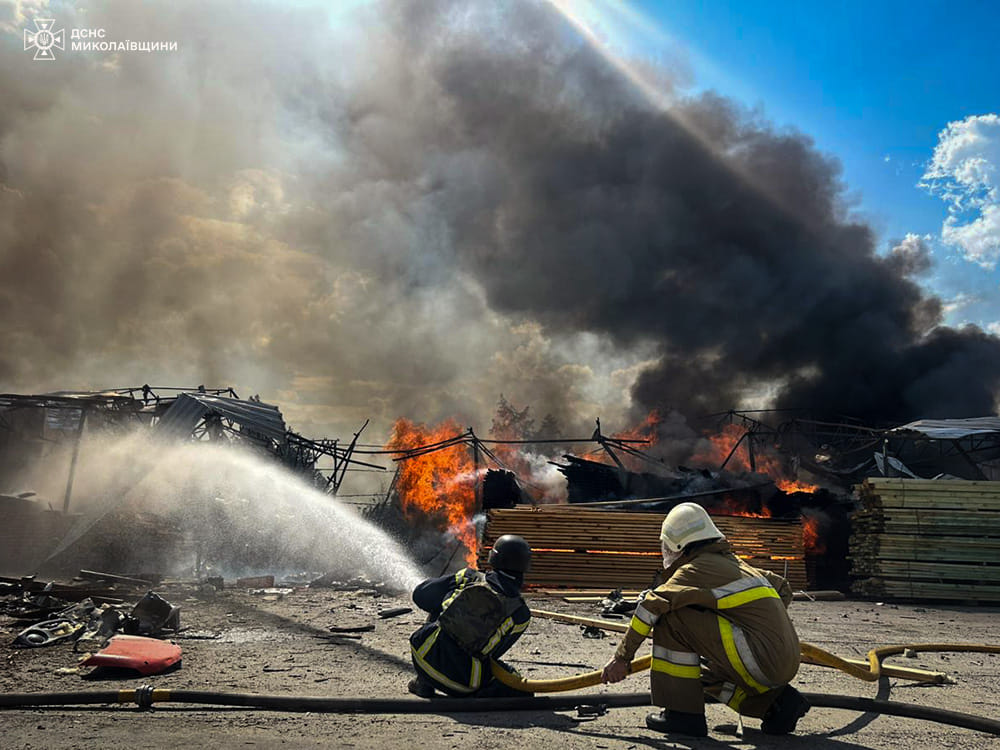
(767, 464)
(47, 430)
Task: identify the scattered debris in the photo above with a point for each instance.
(146, 656)
(255, 582)
(272, 594)
(351, 629)
(616, 604)
(86, 621)
(394, 612)
(819, 596)
(197, 635)
(336, 582)
(65, 592)
(48, 632)
(153, 614)
(94, 575)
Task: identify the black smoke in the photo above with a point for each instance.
(721, 240)
(412, 208)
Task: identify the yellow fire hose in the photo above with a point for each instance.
(810, 655)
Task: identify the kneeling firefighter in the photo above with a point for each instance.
(473, 617)
(719, 627)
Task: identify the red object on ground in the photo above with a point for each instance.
(145, 655)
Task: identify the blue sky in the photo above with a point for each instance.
(874, 84)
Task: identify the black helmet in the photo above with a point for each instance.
(510, 553)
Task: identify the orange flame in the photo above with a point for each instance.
(438, 485)
(720, 447)
(794, 485)
(810, 536)
(645, 431)
(734, 508)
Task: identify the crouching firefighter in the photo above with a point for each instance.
(473, 617)
(719, 628)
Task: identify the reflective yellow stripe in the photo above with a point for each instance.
(726, 631)
(639, 626)
(737, 700)
(477, 674)
(521, 628)
(501, 631)
(444, 680)
(419, 655)
(676, 670)
(750, 595)
(426, 645)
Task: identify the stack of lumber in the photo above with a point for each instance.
(927, 539)
(582, 547)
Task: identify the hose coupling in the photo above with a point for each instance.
(144, 696)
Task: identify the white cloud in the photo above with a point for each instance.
(958, 302)
(965, 173)
(979, 239)
(994, 327)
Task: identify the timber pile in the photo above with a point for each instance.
(582, 547)
(927, 539)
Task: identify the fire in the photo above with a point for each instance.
(439, 485)
(794, 485)
(721, 446)
(731, 507)
(645, 431)
(810, 536)
(628, 553)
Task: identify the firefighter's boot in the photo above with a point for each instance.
(785, 712)
(678, 722)
(421, 688)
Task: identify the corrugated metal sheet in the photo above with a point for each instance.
(952, 429)
(190, 408)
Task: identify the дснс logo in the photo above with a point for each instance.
(43, 39)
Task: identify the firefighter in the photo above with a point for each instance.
(719, 628)
(473, 618)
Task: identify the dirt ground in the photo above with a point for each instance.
(236, 641)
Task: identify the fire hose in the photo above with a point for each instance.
(810, 655)
(146, 696)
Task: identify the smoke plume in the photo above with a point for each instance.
(413, 207)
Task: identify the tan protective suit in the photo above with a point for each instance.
(719, 626)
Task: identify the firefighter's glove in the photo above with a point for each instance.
(615, 670)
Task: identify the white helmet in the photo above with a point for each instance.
(687, 523)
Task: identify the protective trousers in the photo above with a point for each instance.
(698, 651)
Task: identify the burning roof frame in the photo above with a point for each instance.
(814, 445)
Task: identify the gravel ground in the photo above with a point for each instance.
(236, 641)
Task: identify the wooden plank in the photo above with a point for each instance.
(937, 571)
(587, 547)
